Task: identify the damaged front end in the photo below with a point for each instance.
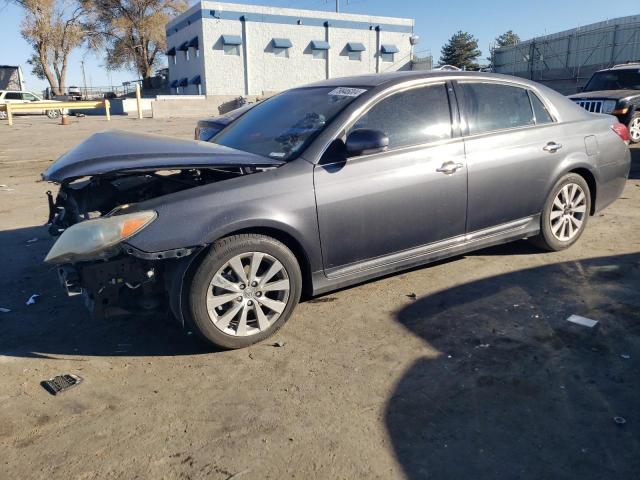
(103, 182)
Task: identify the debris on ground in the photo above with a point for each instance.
(279, 344)
(33, 240)
(412, 296)
(620, 420)
(626, 356)
(32, 299)
(60, 383)
(584, 321)
(483, 345)
(79, 115)
(4, 310)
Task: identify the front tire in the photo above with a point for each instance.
(244, 290)
(3, 115)
(565, 214)
(53, 113)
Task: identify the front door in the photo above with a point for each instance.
(376, 205)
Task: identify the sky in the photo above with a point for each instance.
(435, 23)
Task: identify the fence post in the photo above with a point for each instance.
(138, 102)
(9, 114)
(107, 106)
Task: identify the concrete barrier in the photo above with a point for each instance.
(166, 106)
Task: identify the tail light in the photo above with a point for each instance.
(622, 132)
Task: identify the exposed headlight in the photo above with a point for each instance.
(608, 106)
(96, 238)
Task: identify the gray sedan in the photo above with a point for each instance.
(322, 187)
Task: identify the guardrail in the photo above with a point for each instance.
(12, 108)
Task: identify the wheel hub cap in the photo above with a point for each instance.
(568, 212)
(248, 294)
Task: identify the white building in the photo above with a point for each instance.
(234, 49)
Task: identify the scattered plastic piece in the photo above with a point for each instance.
(279, 344)
(483, 345)
(626, 356)
(32, 299)
(60, 383)
(620, 420)
(4, 310)
(412, 296)
(584, 321)
(33, 240)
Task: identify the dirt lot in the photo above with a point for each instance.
(479, 376)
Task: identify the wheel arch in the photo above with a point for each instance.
(590, 178)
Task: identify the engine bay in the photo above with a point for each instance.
(92, 197)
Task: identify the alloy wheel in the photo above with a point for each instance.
(568, 212)
(248, 294)
(634, 129)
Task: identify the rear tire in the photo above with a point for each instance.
(244, 290)
(634, 128)
(565, 214)
(3, 115)
(52, 113)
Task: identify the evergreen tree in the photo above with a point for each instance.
(461, 51)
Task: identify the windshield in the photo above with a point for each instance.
(284, 125)
(626, 79)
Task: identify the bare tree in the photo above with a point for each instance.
(53, 28)
(133, 31)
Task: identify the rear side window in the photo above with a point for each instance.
(540, 111)
(489, 107)
(416, 116)
(13, 96)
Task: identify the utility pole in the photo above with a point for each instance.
(337, 6)
(84, 78)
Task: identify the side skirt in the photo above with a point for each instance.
(345, 276)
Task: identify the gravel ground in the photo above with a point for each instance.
(476, 376)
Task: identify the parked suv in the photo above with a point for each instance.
(615, 91)
(11, 96)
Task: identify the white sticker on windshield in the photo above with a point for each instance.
(277, 154)
(347, 92)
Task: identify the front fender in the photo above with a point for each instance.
(281, 199)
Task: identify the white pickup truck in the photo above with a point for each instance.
(13, 96)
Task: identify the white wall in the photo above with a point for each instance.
(225, 74)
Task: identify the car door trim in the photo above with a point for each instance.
(520, 228)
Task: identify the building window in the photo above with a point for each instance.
(232, 50)
(388, 51)
(281, 52)
(354, 50)
(319, 49)
(319, 54)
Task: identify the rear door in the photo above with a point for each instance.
(512, 145)
(375, 205)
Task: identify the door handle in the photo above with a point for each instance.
(552, 147)
(449, 167)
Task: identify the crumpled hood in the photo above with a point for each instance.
(606, 94)
(115, 151)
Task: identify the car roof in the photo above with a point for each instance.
(380, 79)
(623, 66)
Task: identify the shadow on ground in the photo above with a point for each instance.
(517, 391)
(58, 325)
(635, 164)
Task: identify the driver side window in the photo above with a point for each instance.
(413, 117)
(28, 97)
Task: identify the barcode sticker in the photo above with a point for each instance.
(347, 92)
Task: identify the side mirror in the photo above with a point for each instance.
(364, 141)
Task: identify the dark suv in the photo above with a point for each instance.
(615, 91)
